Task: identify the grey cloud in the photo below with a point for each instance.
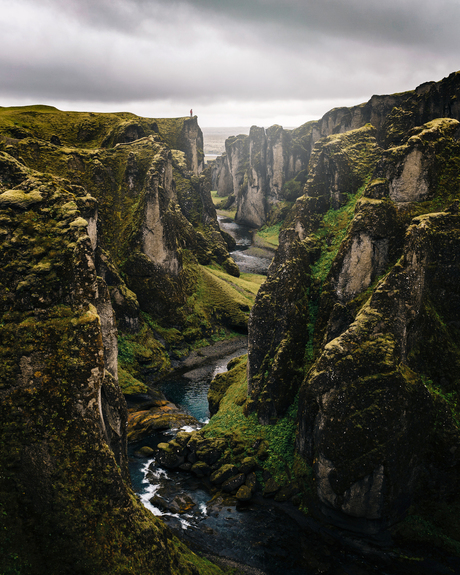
(212, 51)
(409, 22)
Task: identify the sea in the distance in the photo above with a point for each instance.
(214, 140)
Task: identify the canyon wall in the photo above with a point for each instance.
(269, 167)
(98, 214)
(65, 496)
(357, 321)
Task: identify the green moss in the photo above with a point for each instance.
(279, 439)
(247, 284)
(215, 301)
(130, 385)
(435, 524)
(331, 233)
(142, 353)
(19, 199)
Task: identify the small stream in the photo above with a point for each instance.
(250, 260)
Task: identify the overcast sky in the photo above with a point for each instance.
(235, 62)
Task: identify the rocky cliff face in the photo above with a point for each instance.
(255, 168)
(64, 488)
(268, 168)
(358, 316)
(102, 228)
(155, 221)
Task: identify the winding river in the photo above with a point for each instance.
(261, 537)
(249, 259)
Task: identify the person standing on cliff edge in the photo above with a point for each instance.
(191, 112)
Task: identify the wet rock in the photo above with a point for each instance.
(180, 504)
(183, 437)
(170, 455)
(201, 469)
(159, 417)
(223, 473)
(244, 493)
(145, 451)
(287, 492)
(271, 488)
(233, 483)
(251, 481)
(248, 464)
(207, 450)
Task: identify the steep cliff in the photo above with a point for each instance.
(255, 169)
(66, 504)
(358, 320)
(155, 221)
(269, 168)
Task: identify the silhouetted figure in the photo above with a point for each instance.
(191, 113)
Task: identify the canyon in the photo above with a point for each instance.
(114, 270)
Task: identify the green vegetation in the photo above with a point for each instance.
(130, 385)
(275, 443)
(218, 308)
(86, 129)
(247, 284)
(331, 233)
(138, 354)
(221, 204)
(435, 524)
(270, 234)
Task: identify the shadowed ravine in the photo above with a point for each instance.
(258, 537)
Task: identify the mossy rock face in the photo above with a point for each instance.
(280, 339)
(377, 387)
(223, 473)
(221, 383)
(159, 417)
(151, 202)
(375, 350)
(64, 489)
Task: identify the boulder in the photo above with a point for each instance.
(201, 469)
(271, 488)
(170, 455)
(223, 473)
(233, 483)
(244, 493)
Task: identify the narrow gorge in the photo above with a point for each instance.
(116, 277)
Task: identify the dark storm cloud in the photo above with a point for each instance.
(211, 51)
(408, 22)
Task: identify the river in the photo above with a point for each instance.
(261, 537)
(249, 259)
(247, 537)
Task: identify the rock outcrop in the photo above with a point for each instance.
(155, 224)
(268, 167)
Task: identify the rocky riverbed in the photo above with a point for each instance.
(223, 511)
